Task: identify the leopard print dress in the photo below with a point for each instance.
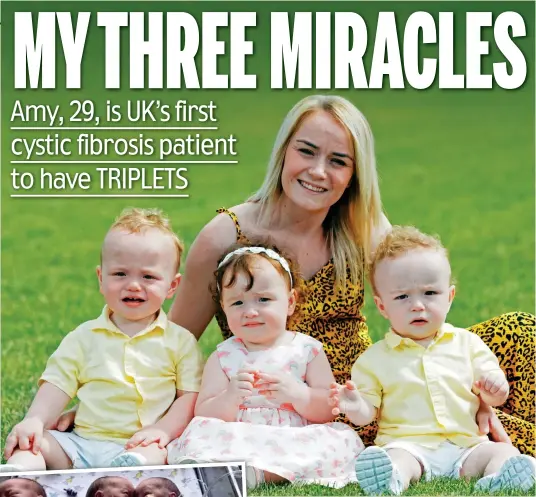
(338, 323)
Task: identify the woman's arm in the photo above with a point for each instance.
(193, 307)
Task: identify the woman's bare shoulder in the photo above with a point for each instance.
(218, 234)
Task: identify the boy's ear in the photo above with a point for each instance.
(99, 493)
(452, 293)
(292, 298)
(174, 285)
(380, 306)
(99, 277)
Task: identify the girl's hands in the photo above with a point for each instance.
(281, 387)
(241, 386)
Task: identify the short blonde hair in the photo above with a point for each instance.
(400, 240)
(136, 220)
(350, 222)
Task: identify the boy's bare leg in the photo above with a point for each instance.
(51, 456)
(154, 455)
(409, 468)
(487, 459)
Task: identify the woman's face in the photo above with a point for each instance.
(319, 163)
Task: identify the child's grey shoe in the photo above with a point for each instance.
(254, 477)
(189, 460)
(128, 459)
(517, 473)
(376, 474)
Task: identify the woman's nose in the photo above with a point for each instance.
(318, 169)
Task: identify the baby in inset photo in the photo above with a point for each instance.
(110, 486)
(157, 487)
(21, 487)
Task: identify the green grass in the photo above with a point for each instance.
(456, 163)
(438, 486)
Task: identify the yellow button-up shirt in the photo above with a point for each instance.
(424, 395)
(124, 383)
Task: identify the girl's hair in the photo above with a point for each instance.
(350, 221)
(243, 263)
(401, 240)
(135, 220)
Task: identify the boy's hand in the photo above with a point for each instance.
(493, 387)
(66, 420)
(147, 436)
(281, 387)
(344, 398)
(241, 385)
(27, 435)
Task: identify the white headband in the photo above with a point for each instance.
(259, 250)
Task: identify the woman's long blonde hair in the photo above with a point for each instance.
(349, 223)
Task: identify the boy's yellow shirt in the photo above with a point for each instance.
(124, 383)
(424, 395)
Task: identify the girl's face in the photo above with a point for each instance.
(258, 316)
(319, 163)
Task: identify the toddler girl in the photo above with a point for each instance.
(264, 393)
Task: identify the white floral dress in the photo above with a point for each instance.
(268, 435)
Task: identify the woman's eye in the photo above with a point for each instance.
(339, 162)
(306, 151)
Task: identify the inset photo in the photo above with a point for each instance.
(207, 480)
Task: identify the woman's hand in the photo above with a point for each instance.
(489, 424)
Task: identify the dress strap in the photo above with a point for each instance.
(240, 237)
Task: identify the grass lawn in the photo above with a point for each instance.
(456, 163)
(438, 486)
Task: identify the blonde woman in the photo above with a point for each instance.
(320, 201)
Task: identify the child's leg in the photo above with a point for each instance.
(380, 470)
(504, 468)
(487, 458)
(410, 469)
(51, 456)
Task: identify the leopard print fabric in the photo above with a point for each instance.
(337, 322)
(511, 337)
